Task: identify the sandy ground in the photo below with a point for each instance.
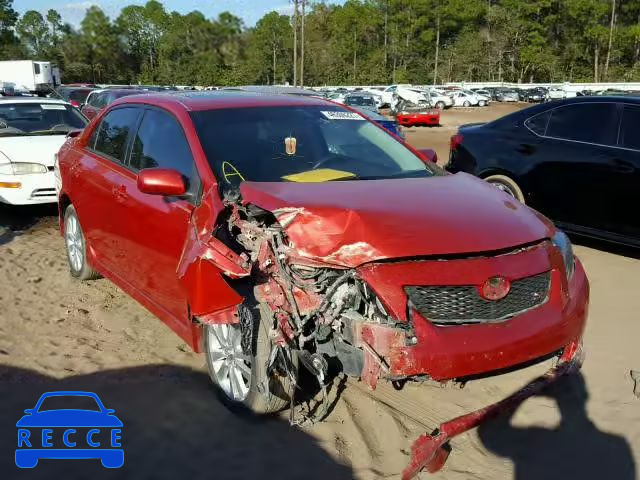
(57, 333)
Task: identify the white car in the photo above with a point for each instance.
(386, 95)
(440, 100)
(557, 94)
(463, 98)
(32, 130)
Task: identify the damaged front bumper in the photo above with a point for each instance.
(430, 452)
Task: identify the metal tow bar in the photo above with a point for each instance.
(430, 452)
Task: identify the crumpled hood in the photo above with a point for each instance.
(32, 149)
(349, 223)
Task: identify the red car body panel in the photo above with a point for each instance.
(415, 119)
(393, 232)
(349, 223)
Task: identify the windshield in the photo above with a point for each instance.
(301, 144)
(69, 402)
(360, 101)
(39, 119)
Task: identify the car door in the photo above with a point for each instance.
(572, 164)
(157, 226)
(97, 178)
(625, 176)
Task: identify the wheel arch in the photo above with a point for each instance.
(63, 202)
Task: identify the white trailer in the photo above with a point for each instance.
(30, 76)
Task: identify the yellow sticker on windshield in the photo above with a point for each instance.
(319, 175)
(228, 170)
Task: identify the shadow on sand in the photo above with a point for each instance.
(14, 220)
(174, 428)
(576, 449)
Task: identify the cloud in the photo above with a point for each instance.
(82, 6)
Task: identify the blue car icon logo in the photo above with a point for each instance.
(69, 425)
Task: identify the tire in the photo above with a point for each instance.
(248, 397)
(466, 103)
(507, 185)
(440, 105)
(76, 247)
(481, 103)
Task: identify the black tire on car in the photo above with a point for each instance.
(507, 185)
(76, 247)
(260, 393)
(482, 103)
(440, 105)
(466, 103)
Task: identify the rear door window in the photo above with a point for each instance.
(114, 131)
(161, 143)
(538, 123)
(629, 134)
(585, 122)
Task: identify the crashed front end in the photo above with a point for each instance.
(335, 298)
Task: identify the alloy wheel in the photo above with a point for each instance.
(230, 365)
(74, 242)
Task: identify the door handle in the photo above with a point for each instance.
(120, 193)
(622, 166)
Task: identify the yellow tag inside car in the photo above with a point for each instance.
(319, 175)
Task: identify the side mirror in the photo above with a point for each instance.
(161, 181)
(428, 155)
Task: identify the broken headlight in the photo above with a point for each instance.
(562, 243)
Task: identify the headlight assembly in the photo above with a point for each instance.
(22, 168)
(562, 243)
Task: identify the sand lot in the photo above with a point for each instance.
(60, 334)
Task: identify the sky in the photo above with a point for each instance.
(72, 11)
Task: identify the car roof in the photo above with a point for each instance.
(375, 116)
(32, 100)
(219, 99)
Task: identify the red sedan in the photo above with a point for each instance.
(423, 118)
(275, 233)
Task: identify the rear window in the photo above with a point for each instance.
(585, 122)
(79, 95)
(629, 137)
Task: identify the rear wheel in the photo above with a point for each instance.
(466, 103)
(76, 247)
(507, 185)
(482, 103)
(237, 356)
(440, 105)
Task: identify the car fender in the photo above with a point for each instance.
(204, 264)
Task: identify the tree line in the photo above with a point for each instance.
(359, 42)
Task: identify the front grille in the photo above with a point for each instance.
(43, 192)
(463, 304)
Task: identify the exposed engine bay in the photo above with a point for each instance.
(318, 312)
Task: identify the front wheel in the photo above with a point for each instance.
(507, 185)
(440, 105)
(481, 103)
(466, 103)
(237, 356)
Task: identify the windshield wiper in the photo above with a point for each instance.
(407, 174)
(48, 132)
